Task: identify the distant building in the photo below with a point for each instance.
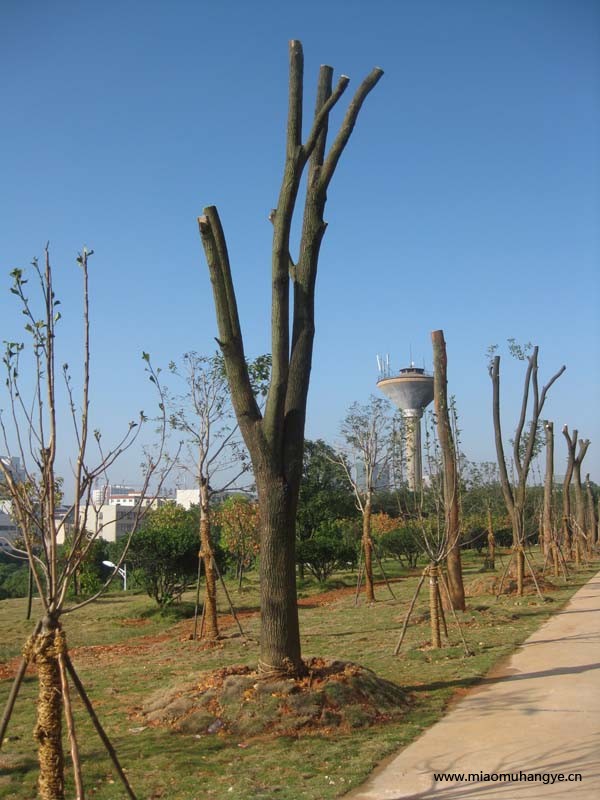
(111, 492)
(381, 476)
(118, 494)
(13, 464)
(191, 497)
(108, 522)
(9, 531)
(8, 528)
(187, 498)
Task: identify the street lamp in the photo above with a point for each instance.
(122, 572)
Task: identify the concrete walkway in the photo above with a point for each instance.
(540, 713)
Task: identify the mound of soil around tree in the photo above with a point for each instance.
(489, 584)
(336, 695)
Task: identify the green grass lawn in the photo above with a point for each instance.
(124, 652)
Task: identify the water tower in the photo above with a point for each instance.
(411, 391)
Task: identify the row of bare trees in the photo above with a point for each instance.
(572, 537)
(577, 536)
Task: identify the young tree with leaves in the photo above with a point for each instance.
(482, 489)
(203, 414)
(367, 433)
(238, 519)
(38, 438)
(275, 438)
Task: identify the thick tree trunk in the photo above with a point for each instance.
(566, 495)
(280, 632)
(567, 536)
(520, 570)
(451, 487)
(455, 580)
(590, 513)
(48, 729)
(580, 526)
(367, 545)
(518, 548)
(548, 486)
(210, 630)
(434, 606)
(491, 541)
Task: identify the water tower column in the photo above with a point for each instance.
(414, 464)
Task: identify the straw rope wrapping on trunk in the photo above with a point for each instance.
(46, 648)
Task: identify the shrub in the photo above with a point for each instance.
(327, 550)
(403, 543)
(164, 553)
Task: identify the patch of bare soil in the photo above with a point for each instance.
(490, 584)
(181, 630)
(335, 696)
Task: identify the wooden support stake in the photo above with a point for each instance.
(410, 610)
(227, 595)
(99, 729)
(79, 793)
(359, 578)
(387, 583)
(466, 647)
(14, 691)
(194, 635)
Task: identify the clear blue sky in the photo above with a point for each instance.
(468, 198)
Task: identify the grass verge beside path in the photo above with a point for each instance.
(124, 652)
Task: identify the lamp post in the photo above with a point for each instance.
(122, 572)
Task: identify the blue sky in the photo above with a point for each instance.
(468, 198)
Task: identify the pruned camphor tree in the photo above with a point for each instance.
(449, 470)
(575, 526)
(275, 437)
(591, 518)
(551, 545)
(32, 429)
(435, 534)
(438, 527)
(524, 444)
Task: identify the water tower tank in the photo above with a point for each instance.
(411, 391)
